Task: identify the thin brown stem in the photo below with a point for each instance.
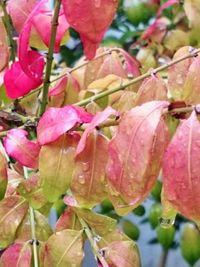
(163, 258)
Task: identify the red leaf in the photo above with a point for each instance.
(21, 149)
(57, 121)
(60, 87)
(18, 83)
(99, 118)
(181, 169)
(135, 154)
(90, 18)
(17, 255)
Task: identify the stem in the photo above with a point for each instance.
(137, 79)
(33, 232)
(163, 258)
(50, 57)
(9, 29)
(94, 245)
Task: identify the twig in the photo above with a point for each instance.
(33, 232)
(163, 258)
(9, 29)
(94, 245)
(137, 79)
(50, 57)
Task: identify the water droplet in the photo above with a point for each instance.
(81, 179)
(167, 222)
(86, 166)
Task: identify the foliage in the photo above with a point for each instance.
(92, 136)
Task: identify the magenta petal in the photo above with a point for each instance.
(17, 83)
(57, 121)
(99, 118)
(21, 149)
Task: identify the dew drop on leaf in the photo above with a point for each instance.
(166, 223)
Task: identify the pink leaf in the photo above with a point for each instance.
(4, 50)
(21, 149)
(17, 255)
(23, 49)
(57, 121)
(60, 87)
(43, 21)
(90, 18)
(17, 82)
(19, 10)
(166, 5)
(135, 154)
(181, 169)
(99, 118)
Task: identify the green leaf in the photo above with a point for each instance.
(68, 220)
(32, 191)
(12, 212)
(101, 224)
(63, 249)
(56, 165)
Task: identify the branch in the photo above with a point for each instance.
(50, 57)
(33, 232)
(137, 79)
(9, 29)
(94, 245)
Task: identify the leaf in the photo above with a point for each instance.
(192, 10)
(3, 176)
(135, 156)
(56, 164)
(90, 19)
(21, 149)
(88, 182)
(119, 249)
(180, 169)
(99, 118)
(19, 11)
(177, 73)
(4, 51)
(42, 228)
(122, 253)
(191, 91)
(51, 128)
(102, 225)
(176, 39)
(64, 248)
(31, 190)
(12, 212)
(18, 83)
(68, 220)
(151, 89)
(17, 255)
(43, 20)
